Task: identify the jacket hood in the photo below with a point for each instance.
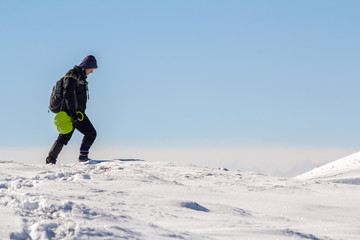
(88, 62)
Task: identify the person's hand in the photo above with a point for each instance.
(74, 117)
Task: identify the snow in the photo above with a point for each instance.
(135, 199)
(344, 170)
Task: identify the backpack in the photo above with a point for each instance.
(56, 98)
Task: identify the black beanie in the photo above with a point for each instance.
(88, 62)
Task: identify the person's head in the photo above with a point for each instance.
(88, 64)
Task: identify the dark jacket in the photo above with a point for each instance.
(75, 91)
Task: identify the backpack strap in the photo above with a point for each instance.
(80, 82)
(71, 76)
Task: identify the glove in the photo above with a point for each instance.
(78, 116)
(73, 116)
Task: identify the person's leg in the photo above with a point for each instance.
(86, 128)
(56, 148)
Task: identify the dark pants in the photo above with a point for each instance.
(85, 127)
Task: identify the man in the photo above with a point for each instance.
(75, 95)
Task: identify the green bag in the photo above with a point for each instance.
(63, 122)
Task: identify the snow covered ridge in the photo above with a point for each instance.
(345, 170)
(117, 199)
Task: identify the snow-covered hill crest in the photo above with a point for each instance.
(344, 170)
(118, 199)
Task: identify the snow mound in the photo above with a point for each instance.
(345, 170)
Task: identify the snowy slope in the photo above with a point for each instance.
(344, 170)
(133, 199)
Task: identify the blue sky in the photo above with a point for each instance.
(187, 73)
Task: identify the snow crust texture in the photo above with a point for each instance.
(132, 199)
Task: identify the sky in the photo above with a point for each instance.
(197, 75)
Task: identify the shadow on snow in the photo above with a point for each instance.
(112, 160)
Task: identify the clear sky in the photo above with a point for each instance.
(181, 73)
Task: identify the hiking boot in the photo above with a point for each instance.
(50, 160)
(84, 159)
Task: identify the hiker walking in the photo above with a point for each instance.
(74, 98)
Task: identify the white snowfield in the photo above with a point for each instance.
(133, 199)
